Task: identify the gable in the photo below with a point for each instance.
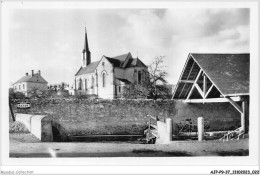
(226, 75)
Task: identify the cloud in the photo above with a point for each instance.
(52, 40)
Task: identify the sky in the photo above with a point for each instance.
(51, 40)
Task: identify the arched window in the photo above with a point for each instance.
(104, 79)
(80, 84)
(86, 84)
(92, 82)
(139, 77)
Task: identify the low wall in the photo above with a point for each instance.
(81, 117)
(25, 119)
(38, 125)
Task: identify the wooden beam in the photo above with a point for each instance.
(212, 100)
(209, 90)
(191, 69)
(182, 90)
(200, 91)
(204, 85)
(187, 78)
(192, 88)
(187, 81)
(234, 104)
(243, 116)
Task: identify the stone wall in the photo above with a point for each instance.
(79, 117)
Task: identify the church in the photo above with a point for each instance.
(107, 77)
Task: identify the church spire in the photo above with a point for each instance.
(86, 52)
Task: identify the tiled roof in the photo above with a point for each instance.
(125, 61)
(124, 80)
(37, 78)
(88, 69)
(136, 62)
(230, 72)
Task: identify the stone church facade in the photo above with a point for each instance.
(107, 77)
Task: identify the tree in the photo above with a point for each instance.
(15, 95)
(35, 92)
(157, 82)
(134, 91)
(154, 85)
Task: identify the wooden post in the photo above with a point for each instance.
(204, 85)
(243, 116)
(168, 129)
(11, 110)
(200, 129)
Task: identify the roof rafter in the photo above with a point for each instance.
(193, 86)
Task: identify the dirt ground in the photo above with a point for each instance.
(26, 145)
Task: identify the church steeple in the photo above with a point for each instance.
(86, 52)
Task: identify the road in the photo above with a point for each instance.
(25, 145)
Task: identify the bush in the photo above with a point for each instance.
(17, 127)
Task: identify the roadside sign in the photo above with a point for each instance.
(23, 105)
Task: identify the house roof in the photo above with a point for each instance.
(229, 73)
(88, 69)
(36, 78)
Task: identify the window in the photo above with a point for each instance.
(19, 87)
(86, 84)
(23, 86)
(139, 77)
(92, 82)
(103, 63)
(119, 89)
(80, 84)
(104, 79)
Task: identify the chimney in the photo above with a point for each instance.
(26, 74)
(39, 72)
(32, 73)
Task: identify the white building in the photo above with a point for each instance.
(107, 77)
(28, 82)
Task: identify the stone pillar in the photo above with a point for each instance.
(200, 129)
(168, 130)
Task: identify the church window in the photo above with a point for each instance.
(23, 86)
(86, 84)
(92, 82)
(103, 63)
(19, 87)
(80, 84)
(104, 79)
(139, 77)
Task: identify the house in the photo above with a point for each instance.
(107, 77)
(216, 78)
(29, 82)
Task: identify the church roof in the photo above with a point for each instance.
(36, 78)
(136, 62)
(125, 61)
(88, 69)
